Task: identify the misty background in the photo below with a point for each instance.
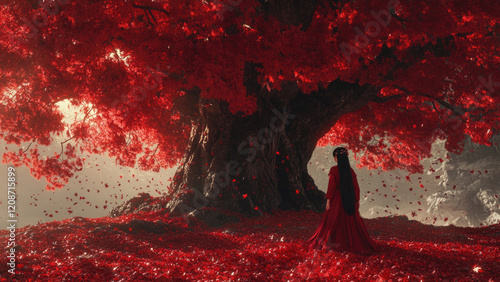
(462, 190)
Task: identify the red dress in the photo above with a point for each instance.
(338, 230)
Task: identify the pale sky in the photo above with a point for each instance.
(102, 185)
(86, 194)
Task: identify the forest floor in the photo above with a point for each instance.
(153, 246)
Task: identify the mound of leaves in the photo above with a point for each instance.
(155, 246)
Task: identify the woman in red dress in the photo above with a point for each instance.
(342, 228)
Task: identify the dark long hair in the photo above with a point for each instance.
(346, 181)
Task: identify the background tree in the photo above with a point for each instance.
(241, 92)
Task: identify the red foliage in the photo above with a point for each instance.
(122, 64)
(271, 248)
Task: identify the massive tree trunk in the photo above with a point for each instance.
(259, 162)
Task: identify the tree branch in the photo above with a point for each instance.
(149, 8)
(157, 146)
(456, 110)
(148, 11)
(27, 148)
(144, 7)
(62, 145)
(381, 100)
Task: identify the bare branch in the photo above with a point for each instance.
(148, 11)
(157, 146)
(62, 145)
(27, 148)
(152, 16)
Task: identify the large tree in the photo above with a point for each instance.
(241, 92)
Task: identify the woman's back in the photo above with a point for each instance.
(342, 228)
(334, 183)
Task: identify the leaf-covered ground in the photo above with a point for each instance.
(153, 246)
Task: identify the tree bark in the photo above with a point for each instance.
(259, 163)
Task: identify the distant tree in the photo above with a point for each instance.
(241, 92)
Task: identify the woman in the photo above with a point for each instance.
(342, 228)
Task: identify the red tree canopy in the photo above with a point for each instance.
(123, 64)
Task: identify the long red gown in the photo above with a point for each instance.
(338, 230)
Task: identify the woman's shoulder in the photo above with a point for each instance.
(334, 169)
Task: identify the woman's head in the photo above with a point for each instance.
(340, 152)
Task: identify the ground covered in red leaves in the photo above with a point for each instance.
(154, 246)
